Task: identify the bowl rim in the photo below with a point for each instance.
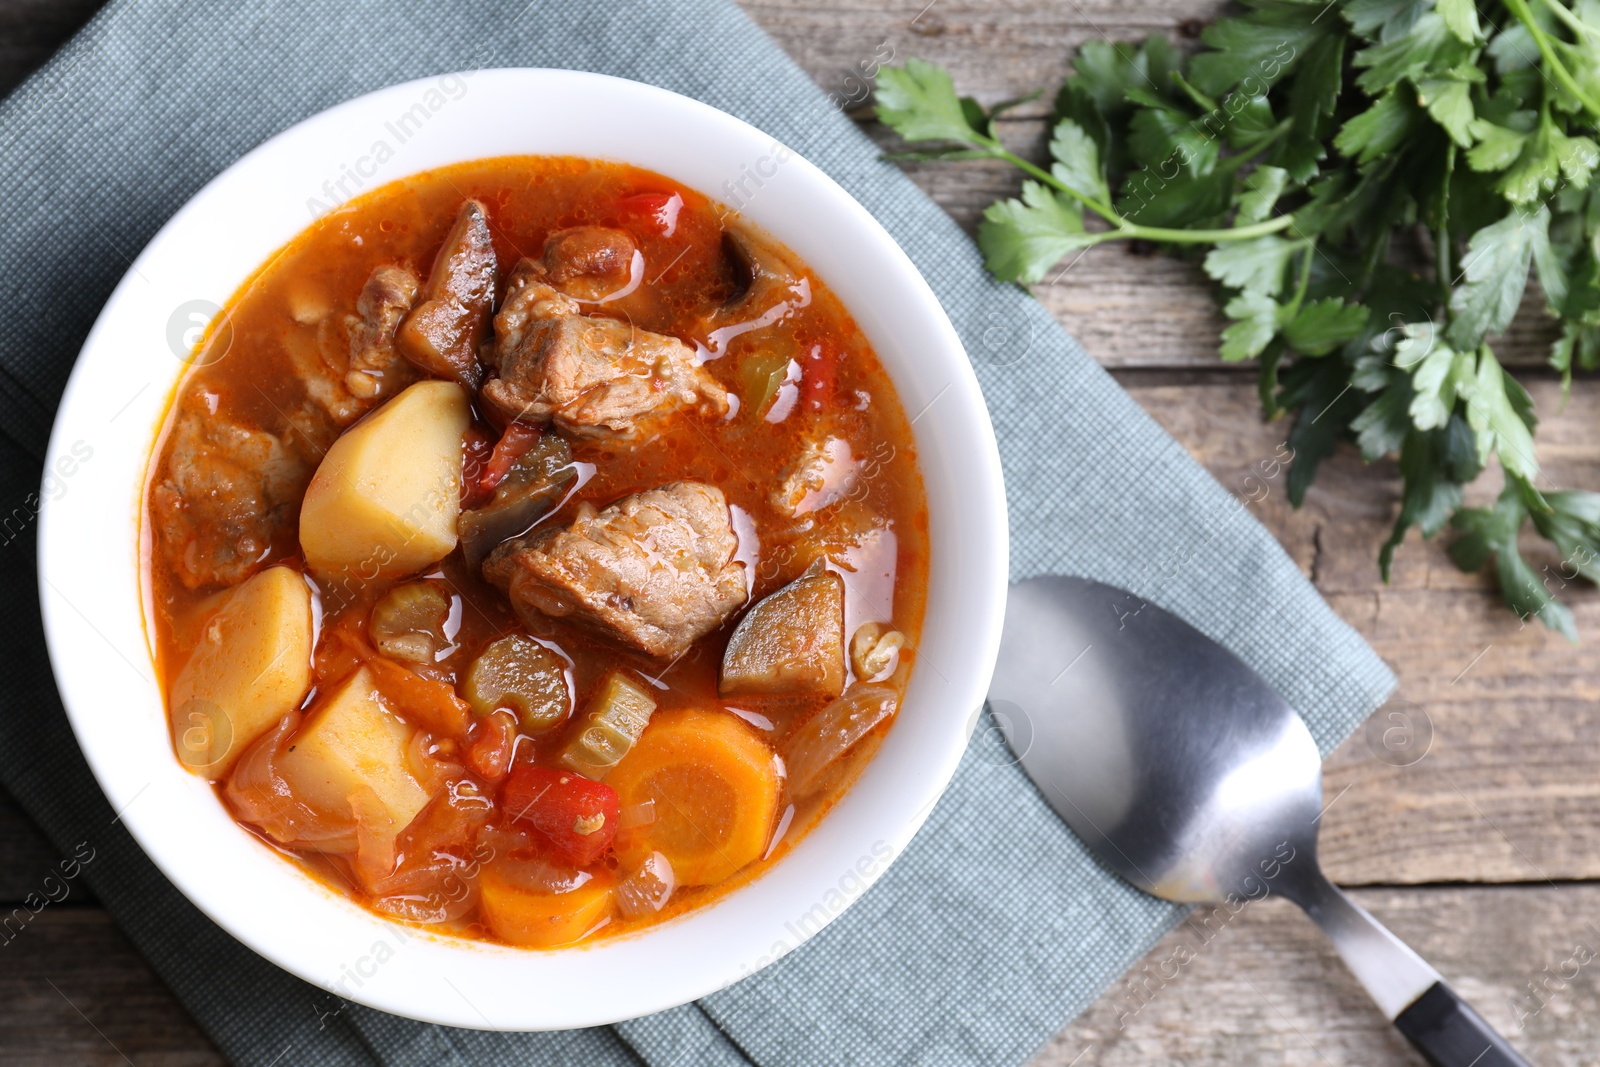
(317, 937)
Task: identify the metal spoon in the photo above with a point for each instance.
(1189, 776)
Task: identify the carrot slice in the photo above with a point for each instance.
(531, 919)
(713, 784)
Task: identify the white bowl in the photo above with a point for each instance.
(94, 608)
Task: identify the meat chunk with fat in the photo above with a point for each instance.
(442, 333)
(376, 369)
(593, 377)
(320, 358)
(529, 298)
(592, 263)
(223, 494)
(655, 571)
(596, 377)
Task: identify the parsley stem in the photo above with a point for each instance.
(1573, 22)
(1304, 284)
(999, 151)
(1132, 231)
(1441, 236)
(1552, 62)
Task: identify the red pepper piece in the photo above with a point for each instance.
(575, 816)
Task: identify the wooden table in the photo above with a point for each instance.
(1484, 854)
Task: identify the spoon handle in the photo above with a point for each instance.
(1430, 1014)
(1448, 1033)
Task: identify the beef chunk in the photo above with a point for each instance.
(225, 490)
(320, 359)
(822, 474)
(655, 571)
(529, 298)
(591, 262)
(442, 333)
(599, 377)
(375, 368)
(593, 377)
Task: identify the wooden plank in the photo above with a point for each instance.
(995, 51)
(1264, 986)
(73, 990)
(1508, 791)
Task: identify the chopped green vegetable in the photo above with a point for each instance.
(519, 673)
(762, 375)
(1302, 150)
(611, 725)
(408, 622)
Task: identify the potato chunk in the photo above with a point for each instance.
(353, 742)
(251, 667)
(385, 500)
(791, 643)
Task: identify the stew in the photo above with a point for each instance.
(536, 550)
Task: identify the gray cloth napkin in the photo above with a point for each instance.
(994, 928)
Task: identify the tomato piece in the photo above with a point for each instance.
(492, 740)
(575, 816)
(431, 705)
(659, 210)
(512, 446)
(343, 648)
(821, 372)
(476, 447)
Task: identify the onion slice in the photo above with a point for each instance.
(833, 731)
(647, 890)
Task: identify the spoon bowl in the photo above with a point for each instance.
(1189, 776)
(1165, 753)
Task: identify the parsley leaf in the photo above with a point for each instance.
(1448, 102)
(1496, 271)
(1384, 423)
(1428, 497)
(1491, 533)
(1263, 48)
(1077, 162)
(1022, 239)
(1498, 412)
(1461, 18)
(919, 102)
(1380, 129)
(1256, 321)
(1323, 325)
(1262, 188)
(1256, 265)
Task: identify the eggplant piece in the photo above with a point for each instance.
(442, 332)
(530, 491)
(760, 278)
(791, 643)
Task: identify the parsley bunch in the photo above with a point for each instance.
(1371, 186)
